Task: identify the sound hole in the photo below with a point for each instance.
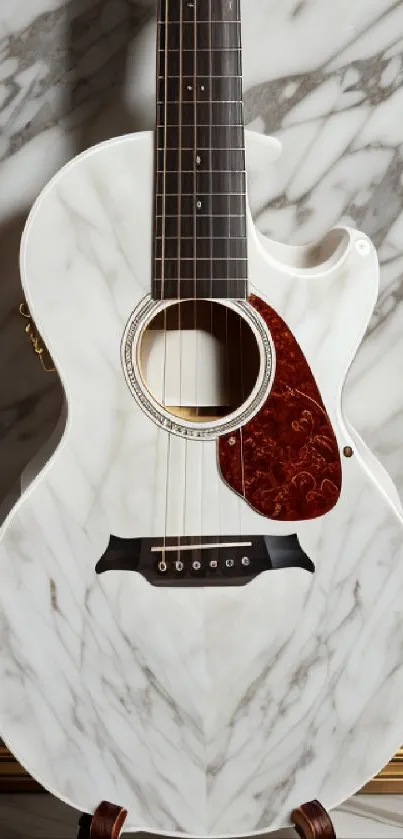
(199, 359)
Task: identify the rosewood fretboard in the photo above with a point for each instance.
(200, 208)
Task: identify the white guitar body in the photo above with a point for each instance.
(203, 711)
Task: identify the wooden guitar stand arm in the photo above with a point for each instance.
(106, 823)
(311, 821)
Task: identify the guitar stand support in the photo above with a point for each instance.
(311, 821)
(106, 823)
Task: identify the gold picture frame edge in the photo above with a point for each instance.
(15, 779)
(390, 779)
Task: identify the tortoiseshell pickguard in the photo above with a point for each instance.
(285, 462)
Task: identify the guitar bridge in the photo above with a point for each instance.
(203, 561)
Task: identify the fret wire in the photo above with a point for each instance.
(204, 171)
(230, 107)
(224, 280)
(203, 258)
(231, 279)
(237, 293)
(203, 102)
(216, 76)
(206, 282)
(199, 194)
(227, 289)
(222, 225)
(221, 113)
(225, 285)
(221, 91)
(202, 49)
(210, 20)
(191, 148)
(200, 215)
(190, 238)
(201, 125)
(201, 268)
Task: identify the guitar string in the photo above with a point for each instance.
(155, 513)
(241, 322)
(168, 440)
(220, 482)
(239, 354)
(195, 226)
(225, 355)
(179, 253)
(210, 165)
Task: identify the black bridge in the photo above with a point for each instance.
(203, 560)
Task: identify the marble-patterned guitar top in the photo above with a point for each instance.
(199, 589)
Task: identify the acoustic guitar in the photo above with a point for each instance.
(199, 588)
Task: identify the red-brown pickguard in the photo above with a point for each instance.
(291, 462)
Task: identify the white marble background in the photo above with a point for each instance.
(325, 76)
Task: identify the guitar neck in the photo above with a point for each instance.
(200, 207)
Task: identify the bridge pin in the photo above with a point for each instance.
(179, 566)
(162, 566)
(196, 565)
(213, 564)
(230, 563)
(245, 561)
